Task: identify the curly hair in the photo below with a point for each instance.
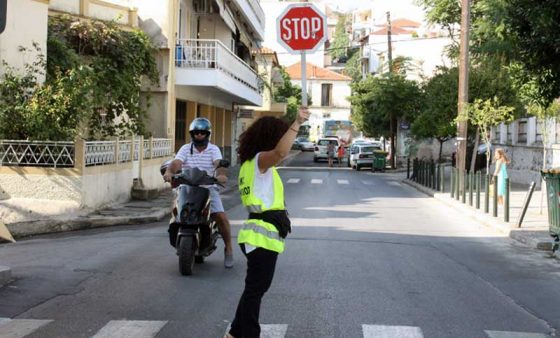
(262, 135)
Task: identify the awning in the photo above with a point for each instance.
(226, 15)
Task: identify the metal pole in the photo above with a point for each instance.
(506, 202)
(408, 168)
(495, 206)
(452, 182)
(432, 175)
(438, 177)
(442, 183)
(389, 48)
(526, 204)
(471, 183)
(464, 195)
(303, 79)
(486, 193)
(457, 179)
(478, 183)
(462, 125)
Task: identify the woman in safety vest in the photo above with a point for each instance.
(261, 147)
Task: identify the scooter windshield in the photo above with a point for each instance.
(195, 176)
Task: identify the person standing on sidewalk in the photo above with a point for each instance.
(261, 147)
(500, 173)
(202, 154)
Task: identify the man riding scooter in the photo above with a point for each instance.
(202, 154)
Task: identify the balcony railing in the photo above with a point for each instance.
(213, 54)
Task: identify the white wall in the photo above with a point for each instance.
(340, 92)
(213, 27)
(155, 19)
(21, 32)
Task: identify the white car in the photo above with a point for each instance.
(321, 148)
(361, 155)
(303, 144)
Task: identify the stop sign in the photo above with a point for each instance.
(301, 27)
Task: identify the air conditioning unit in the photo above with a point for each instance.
(202, 6)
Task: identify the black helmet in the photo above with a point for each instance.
(200, 124)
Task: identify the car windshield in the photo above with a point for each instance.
(369, 149)
(326, 142)
(302, 139)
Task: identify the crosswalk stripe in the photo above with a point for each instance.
(316, 181)
(271, 330)
(342, 181)
(130, 328)
(385, 331)
(18, 328)
(294, 180)
(367, 182)
(508, 334)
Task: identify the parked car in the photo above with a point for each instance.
(361, 155)
(303, 144)
(321, 148)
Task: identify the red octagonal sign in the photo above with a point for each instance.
(301, 27)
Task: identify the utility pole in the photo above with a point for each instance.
(392, 121)
(389, 48)
(462, 125)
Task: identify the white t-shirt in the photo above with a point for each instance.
(263, 187)
(203, 160)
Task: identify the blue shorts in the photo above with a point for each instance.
(215, 200)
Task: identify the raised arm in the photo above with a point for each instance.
(273, 157)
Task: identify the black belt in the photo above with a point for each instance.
(278, 218)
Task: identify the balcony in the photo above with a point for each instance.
(254, 14)
(209, 63)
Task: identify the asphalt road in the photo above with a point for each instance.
(368, 257)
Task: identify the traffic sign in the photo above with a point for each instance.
(301, 27)
(3, 9)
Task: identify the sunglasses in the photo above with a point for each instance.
(200, 132)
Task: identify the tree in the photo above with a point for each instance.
(380, 102)
(353, 66)
(439, 109)
(290, 94)
(485, 114)
(341, 41)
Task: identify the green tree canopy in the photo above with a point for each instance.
(341, 40)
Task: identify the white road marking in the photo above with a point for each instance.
(342, 181)
(271, 330)
(130, 328)
(316, 181)
(385, 331)
(294, 180)
(18, 328)
(507, 334)
(367, 182)
(394, 183)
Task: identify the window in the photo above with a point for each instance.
(326, 94)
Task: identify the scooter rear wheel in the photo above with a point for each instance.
(186, 255)
(199, 259)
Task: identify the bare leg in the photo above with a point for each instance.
(225, 229)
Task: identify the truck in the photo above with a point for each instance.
(342, 129)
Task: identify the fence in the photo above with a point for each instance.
(63, 154)
(432, 175)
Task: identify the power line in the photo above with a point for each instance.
(375, 43)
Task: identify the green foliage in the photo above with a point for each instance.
(92, 67)
(290, 94)
(341, 41)
(353, 66)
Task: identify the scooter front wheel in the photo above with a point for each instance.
(186, 255)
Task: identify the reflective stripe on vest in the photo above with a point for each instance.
(261, 234)
(257, 232)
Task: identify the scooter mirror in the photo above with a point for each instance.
(164, 166)
(223, 164)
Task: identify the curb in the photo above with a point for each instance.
(5, 275)
(491, 222)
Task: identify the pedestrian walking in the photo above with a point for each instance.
(340, 154)
(500, 173)
(330, 152)
(261, 238)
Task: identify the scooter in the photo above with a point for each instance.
(191, 230)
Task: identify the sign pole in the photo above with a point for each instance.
(303, 79)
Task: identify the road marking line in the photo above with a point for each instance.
(385, 331)
(367, 182)
(18, 328)
(271, 330)
(316, 181)
(130, 328)
(507, 334)
(342, 181)
(394, 183)
(294, 180)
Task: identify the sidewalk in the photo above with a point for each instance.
(534, 229)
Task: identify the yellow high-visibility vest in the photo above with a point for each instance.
(256, 232)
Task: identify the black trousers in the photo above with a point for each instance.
(260, 271)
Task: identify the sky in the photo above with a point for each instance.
(398, 8)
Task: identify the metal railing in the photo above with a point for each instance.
(36, 153)
(62, 154)
(213, 54)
